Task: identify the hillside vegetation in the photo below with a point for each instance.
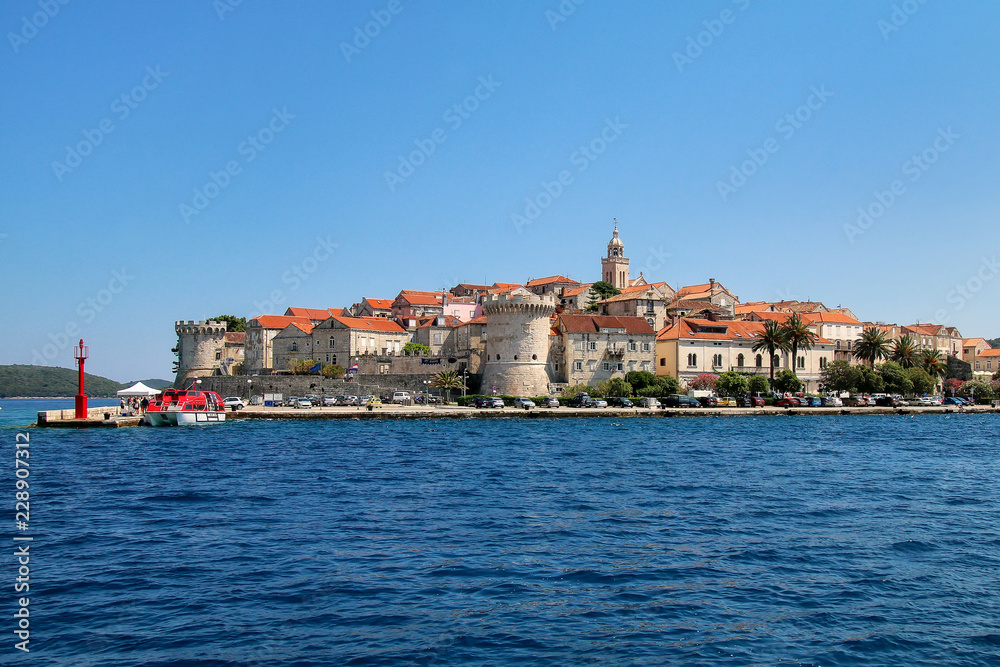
(49, 381)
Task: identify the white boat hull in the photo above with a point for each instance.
(177, 418)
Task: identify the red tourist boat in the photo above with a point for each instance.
(181, 407)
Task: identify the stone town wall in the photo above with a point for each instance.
(301, 385)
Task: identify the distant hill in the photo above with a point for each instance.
(995, 342)
(47, 381)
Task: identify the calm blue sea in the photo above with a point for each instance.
(710, 541)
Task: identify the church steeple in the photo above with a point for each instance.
(614, 267)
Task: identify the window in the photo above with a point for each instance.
(663, 361)
(633, 347)
(437, 338)
(631, 366)
(645, 347)
(838, 344)
(776, 362)
(739, 360)
(592, 345)
(578, 366)
(555, 367)
(759, 361)
(645, 366)
(692, 360)
(651, 322)
(822, 362)
(331, 342)
(716, 360)
(218, 356)
(592, 365)
(848, 346)
(605, 366)
(333, 358)
(802, 362)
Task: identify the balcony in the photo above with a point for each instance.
(754, 370)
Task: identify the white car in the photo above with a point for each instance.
(599, 403)
(234, 402)
(303, 403)
(402, 397)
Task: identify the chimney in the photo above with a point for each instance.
(711, 286)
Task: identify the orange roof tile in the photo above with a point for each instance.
(592, 323)
(550, 279)
(235, 337)
(279, 321)
(379, 304)
(449, 321)
(311, 313)
(371, 324)
(475, 320)
(835, 318)
(573, 291)
(992, 352)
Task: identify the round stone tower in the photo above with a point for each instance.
(199, 346)
(517, 343)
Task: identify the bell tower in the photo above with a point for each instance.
(614, 267)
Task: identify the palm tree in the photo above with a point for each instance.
(935, 365)
(447, 380)
(872, 346)
(798, 336)
(904, 352)
(772, 339)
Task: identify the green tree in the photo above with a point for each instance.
(447, 380)
(872, 346)
(895, 378)
(604, 289)
(839, 376)
(668, 384)
(640, 379)
(979, 389)
(416, 348)
(731, 383)
(652, 391)
(904, 352)
(996, 376)
(772, 339)
(332, 371)
(869, 380)
(797, 337)
(233, 323)
(301, 366)
(933, 362)
(787, 381)
(922, 381)
(759, 385)
(617, 387)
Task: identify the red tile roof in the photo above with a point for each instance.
(504, 287)
(550, 279)
(379, 304)
(371, 324)
(833, 317)
(279, 321)
(594, 323)
(235, 337)
(304, 328)
(573, 291)
(475, 320)
(418, 298)
(312, 313)
(449, 321)
(643, 288)
(992, 352)
(688, 328)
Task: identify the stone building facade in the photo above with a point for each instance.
(200, 346)
(595, 348)
(517, 347)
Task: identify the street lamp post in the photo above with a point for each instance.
(249, 391)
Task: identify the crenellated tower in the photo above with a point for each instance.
(200, 346)
(517, 343)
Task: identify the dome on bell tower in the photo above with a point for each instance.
(614, 267)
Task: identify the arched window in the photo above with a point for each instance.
(760, 361)
(776, 362)
(498, 357)
(739, 360)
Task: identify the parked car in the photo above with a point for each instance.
(373, 402)
(303, 403)
(726, 402)
(648, 402)
(831, 402)
(292, 401)
(815, 402)
(680, 401)
(598, 403)
(313, 399)
(951, 400)
(581, 400)
(887, 402)
(750, 402)
(620, 402)
(234, 402)
(524, 403)
(329, 400)
(789, 402)
(497, 402)
(550, 402)
(708, 401)
(482, 402)
(402, 397)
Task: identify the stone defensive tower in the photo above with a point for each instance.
(517, 343)
(199, 348)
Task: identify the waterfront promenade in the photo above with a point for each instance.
(455, 412)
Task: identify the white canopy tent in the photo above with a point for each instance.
(138, 389)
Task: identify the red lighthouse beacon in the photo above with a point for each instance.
(80, 352)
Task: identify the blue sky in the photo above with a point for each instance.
(182, 161)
